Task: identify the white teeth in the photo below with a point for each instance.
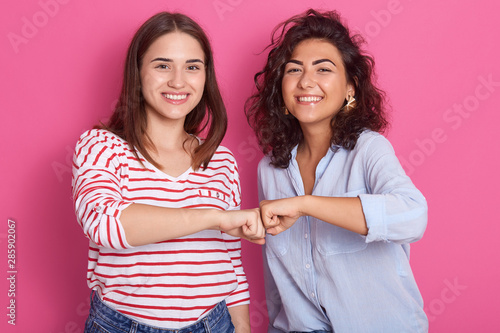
(175, 97)
(310, 99)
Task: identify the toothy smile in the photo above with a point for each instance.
(309, 99)
(175, 97)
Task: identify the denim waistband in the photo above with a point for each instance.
(126, 324)
(317, 331)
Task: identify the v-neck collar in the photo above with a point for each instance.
(294, 170)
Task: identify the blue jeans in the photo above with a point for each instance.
(311, 332)
(103, 319)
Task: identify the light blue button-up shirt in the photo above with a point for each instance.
(322, 277)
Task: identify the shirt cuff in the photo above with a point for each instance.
(114, 235)
(238, 298)
(373, 209)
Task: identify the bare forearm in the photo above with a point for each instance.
(279, 215)
(146, 224)
(343, 212)
(241, 318)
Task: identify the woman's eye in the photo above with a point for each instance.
(193, 68)
(324, 70)
(162, 66)
(293, 70)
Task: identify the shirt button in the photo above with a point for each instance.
(308, 266)
(313, 295)
(305, 236)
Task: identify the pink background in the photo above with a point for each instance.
(61, 65)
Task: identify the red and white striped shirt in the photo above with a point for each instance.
(169, 284)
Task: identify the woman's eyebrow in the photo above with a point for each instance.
(162, 59)
(189, 61)
(315, 62)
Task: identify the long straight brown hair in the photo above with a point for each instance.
(129, 116)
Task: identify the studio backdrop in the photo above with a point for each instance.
(61, 65)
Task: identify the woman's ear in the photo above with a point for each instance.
(350, 101)
(351, 87)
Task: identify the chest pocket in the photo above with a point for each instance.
(335, 240)
(213, 198)
(277, 246)
(215, 194)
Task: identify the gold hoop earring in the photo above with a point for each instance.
(285, 110)
(350, 103)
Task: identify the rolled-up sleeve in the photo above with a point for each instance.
(97, 197)
(395, 210)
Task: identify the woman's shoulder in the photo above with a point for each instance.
(369, 135)
(369, 138)
(97, 133)
(265, 166)
(100, 140)
(225, 154)
(101, 135)
(373, 143)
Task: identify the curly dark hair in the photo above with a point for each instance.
(278, 133)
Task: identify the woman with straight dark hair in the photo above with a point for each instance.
(159, 204)
(337, 204)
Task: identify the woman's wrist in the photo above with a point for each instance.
(213, 217)
(304, 204)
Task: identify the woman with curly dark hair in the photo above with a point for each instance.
(336, 202)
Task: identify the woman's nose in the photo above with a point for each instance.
(177, 79)
(306, 80)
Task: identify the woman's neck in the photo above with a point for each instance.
(167, 135)
(315, 143)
